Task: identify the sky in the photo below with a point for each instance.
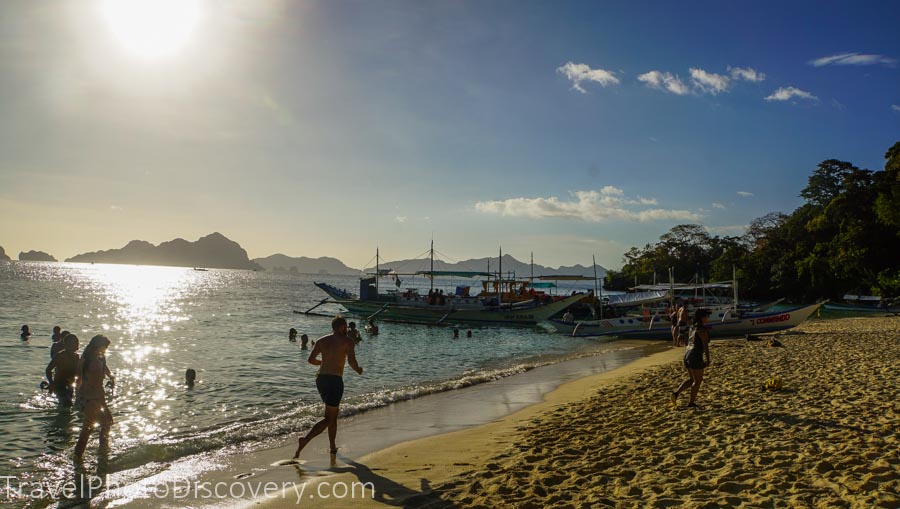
(329, 128)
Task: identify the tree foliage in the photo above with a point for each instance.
(845, 238)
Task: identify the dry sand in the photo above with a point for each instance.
(828, 439)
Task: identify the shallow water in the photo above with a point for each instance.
(231, 326)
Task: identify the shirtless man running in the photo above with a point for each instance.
(335, 349)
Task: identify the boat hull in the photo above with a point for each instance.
(388, 311)
(847, 308)
(637, 328)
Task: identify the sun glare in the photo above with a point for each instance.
(152, 28)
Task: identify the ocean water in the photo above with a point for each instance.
(254, 387)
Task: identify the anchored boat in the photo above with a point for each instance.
(726, 324)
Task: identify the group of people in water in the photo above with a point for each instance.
(352, 332)
(76, 379)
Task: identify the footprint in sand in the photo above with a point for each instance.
(282, 463)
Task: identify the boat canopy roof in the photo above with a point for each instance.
(682, 287)
(562, 277)
(637, 299)
(543, 285)
(451, 273)
(863, 298)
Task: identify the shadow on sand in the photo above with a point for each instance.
(392, 493)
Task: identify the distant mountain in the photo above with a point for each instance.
(213, 251)
(304, 265)
(3, 257)
(510, 265)
(36, 256)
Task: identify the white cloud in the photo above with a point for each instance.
(578, 73)
(853, 59)
(787, 93)
(708, 82)
(746, 74)
(664, 81)
(745, 194)
(895, 107)
(737, 229)
(400, 219)
(115, 208)
(718, 206)
(608, 204)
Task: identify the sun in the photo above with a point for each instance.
(152, 28)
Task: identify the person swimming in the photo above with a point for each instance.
(456, 333)
(468, 333)
(60, 345)
(371, 327)
(354, 334)
(26, 333)
(292, 335)
(304, 341)
(65, 367)
(190, 376)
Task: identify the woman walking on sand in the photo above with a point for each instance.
(91, 371)
(696, 357)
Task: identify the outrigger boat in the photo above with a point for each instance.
(863, 304)
(460, 308)
(726, 324)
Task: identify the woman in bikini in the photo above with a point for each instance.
(92, 370)
(696, 357)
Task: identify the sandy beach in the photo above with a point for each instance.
(827, 439)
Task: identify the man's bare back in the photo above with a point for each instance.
(336, 350)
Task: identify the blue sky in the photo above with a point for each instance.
(570, 129)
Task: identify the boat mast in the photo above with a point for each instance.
(596, 292)
(432, 264)
(500, 278)
(377, 270)
(734, 283)
(672, 286)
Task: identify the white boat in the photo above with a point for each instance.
(723, 323)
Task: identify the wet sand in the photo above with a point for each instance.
(827, 439)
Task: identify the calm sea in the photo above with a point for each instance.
(231, 326)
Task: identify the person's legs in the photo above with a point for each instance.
(697, 375)
(90, 416)
(318, 428)
(331, 415)
(684, 385)
(106, 422)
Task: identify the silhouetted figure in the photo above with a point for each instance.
(456, 333)
(62, 372)
(468, 334)
(372, 327)
(26, 333)
(304, 340)
(92, 370)
(190, 376)
(60, 345)
(292, 335)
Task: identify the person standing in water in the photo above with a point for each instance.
(26, 333)
(353, 333)
(92, 370)
(65, 366)
(335, 349)
(696, 357)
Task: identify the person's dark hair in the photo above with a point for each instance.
(352, 325)
(97, 342)
(63, 335)
(338, 322)
(698, 316)
(71, 341)
(190, 375)
(56, 329)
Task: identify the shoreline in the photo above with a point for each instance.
(397, 471)
(376, 429)
(828, 439)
